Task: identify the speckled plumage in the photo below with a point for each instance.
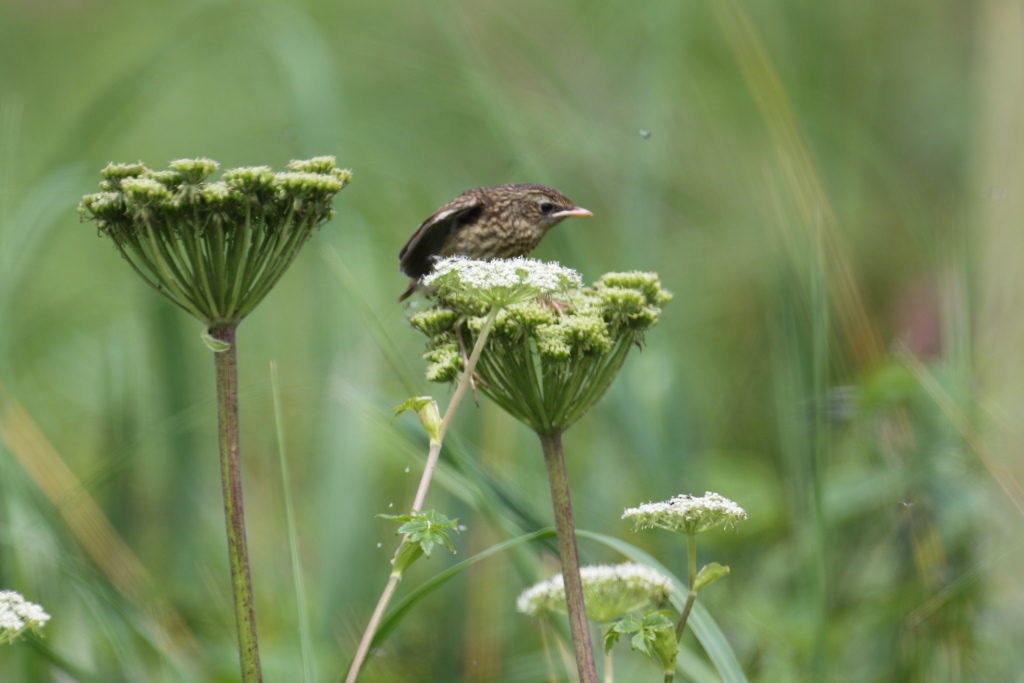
(485, 223)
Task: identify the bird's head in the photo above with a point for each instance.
(543, 206)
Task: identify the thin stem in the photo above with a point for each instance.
(691, 561)
(428, 473)
(478, 348)
(421, 495)
(226, 364)
(305, 632)
(449, 413)
(371, 628)
(609, 674)
(554, 459)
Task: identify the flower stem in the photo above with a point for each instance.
(371, 628)
(421, 495)
(226, 364)
(691, 560)
(554, 459)
(449, 413)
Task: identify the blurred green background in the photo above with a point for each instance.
(831, 190)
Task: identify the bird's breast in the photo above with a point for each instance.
(489, 242)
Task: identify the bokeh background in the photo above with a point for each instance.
(833, 191)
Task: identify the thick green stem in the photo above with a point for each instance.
(226, 363)
(559, 480)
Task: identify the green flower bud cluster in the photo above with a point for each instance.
(213, 248)
(546, 361)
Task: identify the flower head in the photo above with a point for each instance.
(501, 282)
(213, 248)
(18, 615)
(609, 591)
(686, 514)
(546, 363)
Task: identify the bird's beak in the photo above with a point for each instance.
(576, 211)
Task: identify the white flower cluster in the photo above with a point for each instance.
(609, 591)
(687, 514)
(502, 282)
(17, 614)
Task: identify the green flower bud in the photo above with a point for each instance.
(194, 171)
(172, 180)
(434, 321)
(217, 195)
(647, 284)
(145, 192)
(259, 181)
(323, 164)
(426, 409)
(578, 335)
(445, 363)
(524, 318)
(113, 174)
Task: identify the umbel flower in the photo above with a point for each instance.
(686, 514)
(502, 282)
(213, 248)
(18, 615)
(216, 249)
(609, 592)
(546, 362)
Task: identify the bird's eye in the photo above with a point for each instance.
(547, 207)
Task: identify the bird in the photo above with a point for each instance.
(504, 221)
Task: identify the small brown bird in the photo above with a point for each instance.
(485, 223)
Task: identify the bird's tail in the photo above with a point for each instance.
(408, 290)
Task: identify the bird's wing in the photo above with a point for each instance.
(430, 236)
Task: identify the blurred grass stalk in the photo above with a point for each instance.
(999, 213)
(820, 262)
(94, 532)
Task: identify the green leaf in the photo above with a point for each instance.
(407, 553)
(708, 574)
(611, 636)
(212, 343)
(642, 641)
(658, 619)
(626, 625)
(427, 529)
(648, 631)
